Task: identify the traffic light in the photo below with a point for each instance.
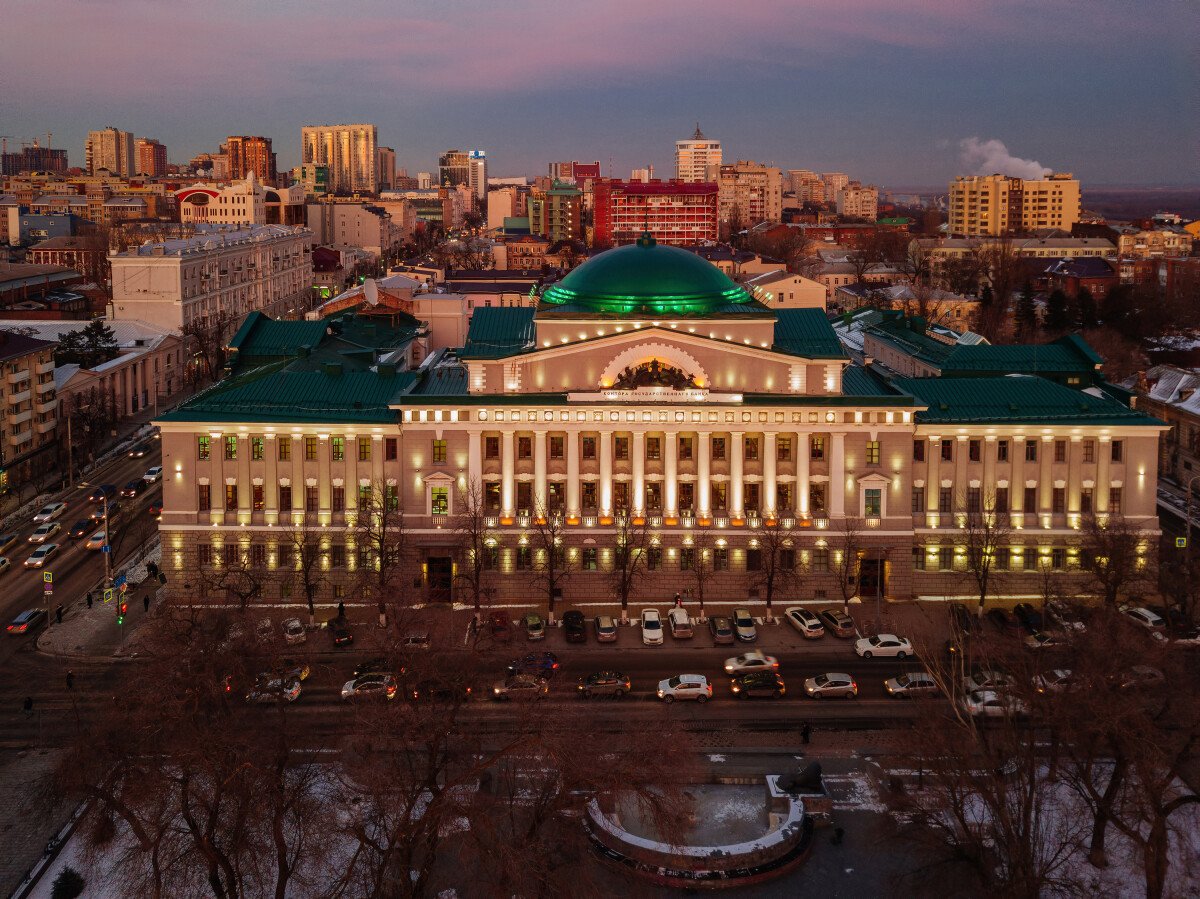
(121, 609)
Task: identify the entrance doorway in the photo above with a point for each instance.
(872, 577)
(439, 577)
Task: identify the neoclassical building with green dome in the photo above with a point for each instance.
(645, 401)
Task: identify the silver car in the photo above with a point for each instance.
(743, 626)
(832, 684)
(914, 683)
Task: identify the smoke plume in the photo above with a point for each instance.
(991, 157)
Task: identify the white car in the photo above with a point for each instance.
(883, 645)
(264, 630)
(1143, 676)
(294, 632)
(831, 683)
(5, 564)
(45, 531)
(41, 555)
(985, 679)
(370, 685)
(1057, 680)
(96, 541)
(685, 686)
(267, 688)
(1145, 618)
(652, 629)
(49, 512)
(806, 622)
(914, 683)
(152, 476)
(989, 704)
(1045, 640)
(754, 660)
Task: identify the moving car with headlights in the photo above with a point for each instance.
(370, 685)
(575, 626)
(27, 621)
(543, 664)
(7, 540)
(520, 686)
(914, 683)
(685, 686)
(81, 528)
(990, 704)
(152, 475)
(111, 510)
(294, 632)
(606, 629)
(102, 494)
(95, 542)
(837, 623)
(805, 622)
(41, 555)
(291, 669)
(603, 683)
(49, 512)
(267, 688)
(831, 685)
(652, 629)
(765, 684)
(448, 688)
(885, 645)
(754, 660)
(743, 626)
(44, 532)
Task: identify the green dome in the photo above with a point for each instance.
(647, 278)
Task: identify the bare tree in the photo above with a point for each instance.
(303, 556)
(779, 566)
(1110, 553)
(552, 564)
(699, 562)
(631, 545)
(381, 537)
(237, 574)
(474, 539)
(984, 531)
(206, 336)
(847, 544)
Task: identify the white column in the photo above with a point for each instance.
(638, 500)
(960, 473)
(324, 467)
(299, 485)
(540, 502)
(245, 485)
(771, 453)
(988, 484)
(1074, 474)
(351, 481)
(216, 478)
(606, 481)
(271, 479)
(671, 491)
(837, 475)
(1045, 475)
(933, 478)
(377, 474)
(703, 480)
(573, 505)
(475, 462)
(803, 454)
(1103, 478)
(508, 468)
(737, 452)
(1016, 489)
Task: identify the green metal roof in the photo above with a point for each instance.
(1016, 399)
(263, 337)
(806, 332)
(443, 382)
(1069, 354)
(913, 343)
(497, 332)
(859, 381)
(647, 278)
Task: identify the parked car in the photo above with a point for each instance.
(1030, 618)
(139, 451)
(96, 541)
(44, 532)
(805, 622)
(604, 683)
(990, 704)
(264, 630)
(267, 688)
(112, 510)
(339, 632)
(1066, 616)
(1143, 676)
(543, 664)
(887, 645)
(721, 629)
(575, 626)
(41, 555)
(1045, 640)
(963, 619)
(685, 686)
(415, 640)
(831, 684)
(759, 683)
(680, 623)
(152, 475)
(743, 626)
(520, 686)
(27, 621)
(294, 632)
(1004, 621)
(499, 627)
(1057, 680)
(535, 628)
(606, 629)
(369, 685)
(293, 669)
(837, 623)
(1179, 627)
(754, 660)
(81, 528)
(49, 512)
(913, 683)
(1143, 617)
(652, 629)
(102, 494)
(986, 679)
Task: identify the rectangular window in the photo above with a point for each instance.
(1030, 450)
(337, 499)
(1001, 558)
(1029, 561)
(783, 449)
(1058, 501)
(439, 452)
(754, 560)
(872, 502)
(918, 450)
(718, 448)
(750, 445)
(524, 497)
(439, 499)
(364, 498)
(1031, 501)
(620, 496)
(687, 559)
(337, 448)
(687, 497)
(364, 449)
(947, 450)
(491, 558)
(918, 500)
(654, 497)
(285, 497)
(285, 449)
(685, 448)
(524, 558)
(1060, 451)
(1001, 450)
(787, 559)
(231, 498)
(524, 447)
(1089, 451)
(258, 497)
(816, 497)
(204, 500)
(945, 500)
(491, 447)
(491, 496)
(588, 559)
(974, 502)
(974, 450)
(653, 449)
(231, 448)
(1114, 500)
(391, 449)
(1118, 450)
(820, 559)
(750, 494)
(589, 447)
(1058, 558)
(202, 449)
(872, 452)
(310, 448)
(1085, 500)
(312, 499)
(620, 447)
(556, 447)
(783, 497)
(337, 556)
(589, 494)
(718, 497)
(205, 555)
(721, 558)
(391, 497)
(654, 558)
(817, 448)
(1002, 499)
(945, 558)
(256, 448)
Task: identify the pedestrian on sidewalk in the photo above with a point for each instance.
(70, 679)
(678, 601)
(89, 598)
(28, 706)
(805, 733)
(341, 609)
(146, 602)
(58, 612)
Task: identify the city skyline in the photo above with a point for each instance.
(898, 97)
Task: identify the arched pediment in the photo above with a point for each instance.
(665, 354)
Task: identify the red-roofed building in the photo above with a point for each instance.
(675, 212)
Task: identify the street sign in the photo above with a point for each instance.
(120, 581)
(49, 588)
(108, 595)
(48, 577)
(1181, 542)
(105, 548)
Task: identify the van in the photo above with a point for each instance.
(681, 625)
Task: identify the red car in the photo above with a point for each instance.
(499, 626)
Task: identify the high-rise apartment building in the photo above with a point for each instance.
(347, 150)
(33, 159)
(251, 154)
(110, 149)
(477, 177)
(385, 168)
(993, 205)
(698, 159)
(856, 201)
(675, 213)
(151, 157)
(454, 168)
(750, 194)
(834, 181)
(554, 213)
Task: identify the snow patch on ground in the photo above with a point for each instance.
(716, 758)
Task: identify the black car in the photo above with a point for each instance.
(962, 619)
(339, 631)
(603, 683)
(134, 487)
(140, 450)
(1004, 621)
(1178, 625)
(759, 683)
(81, 528)
(575, 627)
(98, 513)
(1030, 618)
(543, 664)
(28, 621)
(380, 665)
(102, 494)
(447, 689)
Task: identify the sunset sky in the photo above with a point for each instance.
(896, 93)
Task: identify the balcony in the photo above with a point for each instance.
(16, 377)
(15, 399)
(45, 427)
(687, 519)
(440, 520)
(20, 438)
(43, 389)
(19, 418)
(48, 406)
(491, 521)
(44, 368)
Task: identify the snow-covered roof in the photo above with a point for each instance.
(1178, 387)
